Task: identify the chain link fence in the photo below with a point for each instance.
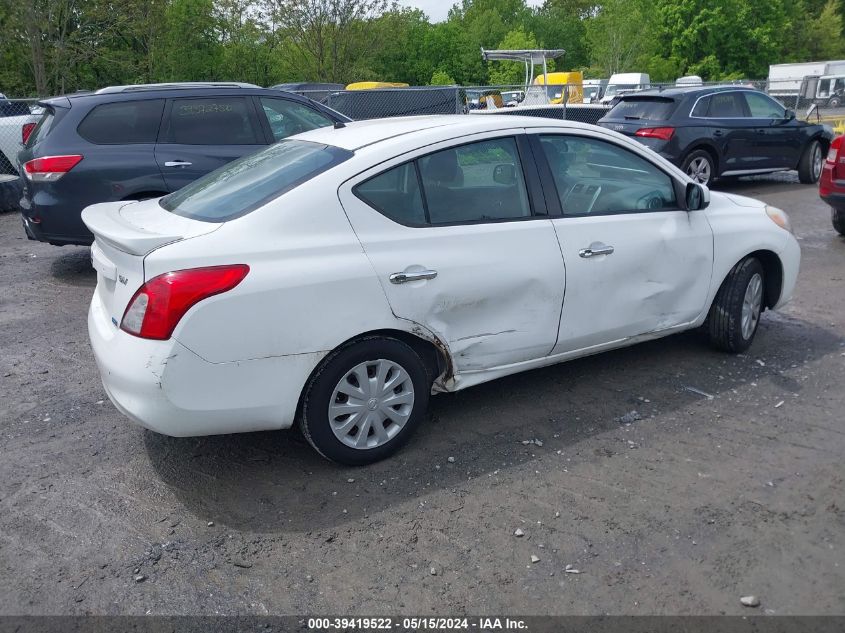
(14, 115)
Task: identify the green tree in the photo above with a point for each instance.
(512, 73)
(441, 78)
(189, 49)
(619, 34)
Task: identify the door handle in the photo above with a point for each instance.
(177, 163)
(596, 249)
(403, 278)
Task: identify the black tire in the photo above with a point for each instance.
(809, 170)
(314, 420)
(724, 322)
(838, 218)
(699, 157)
(834, 102)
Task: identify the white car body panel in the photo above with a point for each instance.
(499, 286)
(320, 261)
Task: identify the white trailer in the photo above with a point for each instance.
(786, 80)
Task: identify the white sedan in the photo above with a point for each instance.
(338, 278)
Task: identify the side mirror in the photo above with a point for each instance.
(504, 174)
(789, 115)
(697, 197)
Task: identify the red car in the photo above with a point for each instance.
(832, 183)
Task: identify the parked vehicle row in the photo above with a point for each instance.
(337, 278)
(722, 131)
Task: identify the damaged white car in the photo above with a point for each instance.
(338, 278)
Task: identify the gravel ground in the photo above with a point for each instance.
(702, 500)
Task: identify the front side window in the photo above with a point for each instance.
(597, 177)
(124, 122)
(287, 117)
(212, 121)
(252, 181)
(477, 182)
(726, 105)
(762, 107)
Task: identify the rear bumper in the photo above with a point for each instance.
(48, 219)
(165, 387)
(834, 199)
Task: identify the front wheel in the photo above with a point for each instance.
(365, 401)
(735, 313)
(699, 166)
(835, 102)
(838, 217)
(810, 165)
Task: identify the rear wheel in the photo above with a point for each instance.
(735, 313)
(838, 217)
(810, 165)
(835, 102)
(365, 401)
(699, 166)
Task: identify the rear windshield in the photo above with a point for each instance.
(656, 109)
(252, 181)
(42, 128)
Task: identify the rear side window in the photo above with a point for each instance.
(212, 121)
(700, 108)
(396, 194)
(42, 128)
(726, 105)
(122, 123)
(657, 109)
(476, 182)
(252, 181)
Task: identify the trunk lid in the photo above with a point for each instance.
(124, 234)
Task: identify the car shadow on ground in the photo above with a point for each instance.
(275, 482)
(74, 268)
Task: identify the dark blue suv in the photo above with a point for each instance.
(721, 131)
(138, 142)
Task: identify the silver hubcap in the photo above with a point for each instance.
(817, 161)
(751, 305)
(371, 404)
(699, 170)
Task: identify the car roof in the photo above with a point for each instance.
(357, 134)
(151, 91)
(683, 91)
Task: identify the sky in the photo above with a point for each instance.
(437, 9)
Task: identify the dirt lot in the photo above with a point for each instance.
(697, 503)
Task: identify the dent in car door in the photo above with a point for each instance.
(635, 263)
(200, 134)
(491, 290)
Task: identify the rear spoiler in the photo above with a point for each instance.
(55, 102)
(108, 225)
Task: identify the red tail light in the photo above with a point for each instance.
(26, 130)
(836, 157)
(157, 307)
(663, 133)
(50, 168)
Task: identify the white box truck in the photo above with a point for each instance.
(785, 80)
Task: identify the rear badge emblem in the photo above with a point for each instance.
(122, 279)
(113, 320)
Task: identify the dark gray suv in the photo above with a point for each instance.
(138, 142)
